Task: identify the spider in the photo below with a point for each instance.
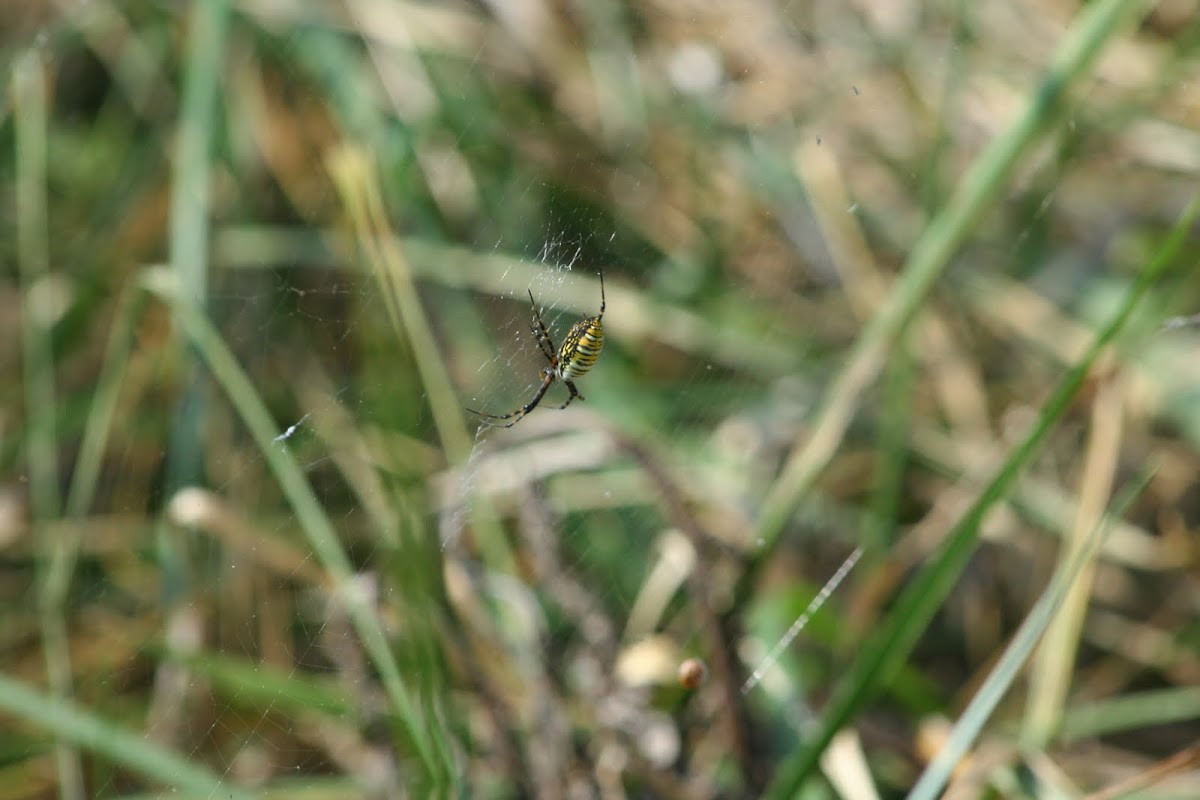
(578, 353)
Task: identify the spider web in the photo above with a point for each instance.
(512, 375)
(517, 345)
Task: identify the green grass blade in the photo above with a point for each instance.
(1130, 712)
(312, 519)
(103, 409)
(37, 351)
(895, 638)
(252, 685)
(1012, 662)
(188, 244)
(190, 190)
(97, 735)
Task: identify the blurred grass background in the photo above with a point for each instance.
(913, 278)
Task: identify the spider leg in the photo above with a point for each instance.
(574, 393)
(547, 379)
(541, 334)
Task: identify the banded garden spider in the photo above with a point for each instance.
(578, 353)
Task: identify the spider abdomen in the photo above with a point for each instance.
(580, 349)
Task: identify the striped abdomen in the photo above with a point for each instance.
(580, 349)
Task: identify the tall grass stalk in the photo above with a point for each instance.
(37, 321)
(353, 173)
(1055, 663)
(188, 244)
(894, 639)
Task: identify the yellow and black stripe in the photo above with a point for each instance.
(581, 348)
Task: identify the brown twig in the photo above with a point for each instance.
(1185, 759)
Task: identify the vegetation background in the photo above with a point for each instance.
(915, 278)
